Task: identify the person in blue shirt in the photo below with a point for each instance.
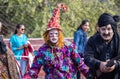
(18, 41)
(80, 39)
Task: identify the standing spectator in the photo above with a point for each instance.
(19, 44)
(80, 39)
(59, 58)
(8, 68)
(102, 48)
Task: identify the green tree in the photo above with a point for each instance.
(35, 14)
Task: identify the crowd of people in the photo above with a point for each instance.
(96, 57)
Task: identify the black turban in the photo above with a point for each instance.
(106, 19)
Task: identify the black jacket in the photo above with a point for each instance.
(97, 50)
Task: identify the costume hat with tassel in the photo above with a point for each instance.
(55, 19)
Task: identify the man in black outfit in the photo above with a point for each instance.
(103, 50)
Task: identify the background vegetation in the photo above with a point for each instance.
(35, 14)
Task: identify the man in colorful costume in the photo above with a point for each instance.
(59, 58)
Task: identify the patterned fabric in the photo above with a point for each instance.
(58, 63)
(55, 19)
(3, 68)
(8, 66)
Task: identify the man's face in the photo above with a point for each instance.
(106, 32)
(53, 35)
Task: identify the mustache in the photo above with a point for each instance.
(106, 34)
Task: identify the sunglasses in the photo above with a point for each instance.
(22, 29)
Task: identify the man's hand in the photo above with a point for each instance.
(103, 67)
(112, 67)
